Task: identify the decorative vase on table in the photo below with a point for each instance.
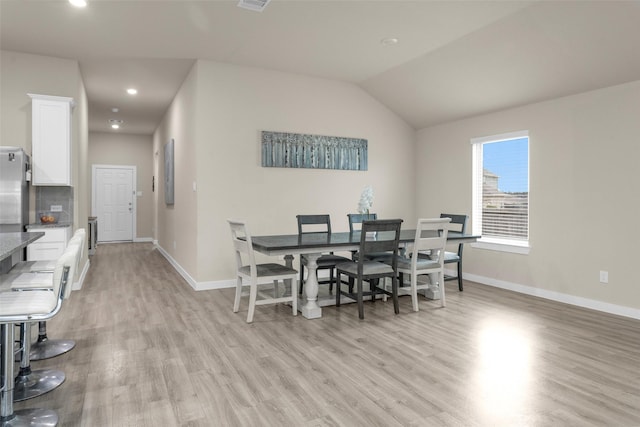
(364, 206)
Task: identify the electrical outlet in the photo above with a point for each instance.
(604, 276)
(56, 208)
(174, 245)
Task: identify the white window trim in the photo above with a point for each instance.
(502, 245)
(488, 243)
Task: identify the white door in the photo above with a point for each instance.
(114, 202)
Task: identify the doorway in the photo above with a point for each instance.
(114, 202)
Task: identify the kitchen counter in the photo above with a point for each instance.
(56, 225)
(11, 243)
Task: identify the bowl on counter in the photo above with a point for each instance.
(49, 217)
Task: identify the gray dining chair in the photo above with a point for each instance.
(363, 268)
(319, 225)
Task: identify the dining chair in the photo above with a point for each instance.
(458, 223)
(355, 220)
(319, 225)
(365, 269)
(355, 224)
(431, 235)
(259, 274)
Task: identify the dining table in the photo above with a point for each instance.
(12, 242)
(314, 245)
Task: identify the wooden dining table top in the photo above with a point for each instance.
(294, 243)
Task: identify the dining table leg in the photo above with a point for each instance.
(310, 308)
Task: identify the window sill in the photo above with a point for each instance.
(521, 248)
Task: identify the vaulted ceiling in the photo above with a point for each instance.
(452, 59)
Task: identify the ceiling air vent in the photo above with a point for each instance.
(255, 5)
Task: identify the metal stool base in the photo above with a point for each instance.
(37, 383)
(50, 348)
(31, 417)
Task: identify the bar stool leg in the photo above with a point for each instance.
(24, 417)
(28, 383)
(45, 348)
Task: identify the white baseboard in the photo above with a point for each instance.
(143, 240)
(197, 286)
(527, 290)
(619, 310)
(181, 271)
(83, 274)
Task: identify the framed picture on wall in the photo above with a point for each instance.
(168, 172)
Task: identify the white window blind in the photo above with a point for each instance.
(501, 188)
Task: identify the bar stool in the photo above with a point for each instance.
(27, 307)
(45, 348)
(32, 383)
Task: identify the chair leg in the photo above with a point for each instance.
(394, 291)
(442, 300)
(46, 348)
(23, 417)
(253, 296)
(360, 300)
(236, 303)
(301, 278)
(460, 287)
(330, 280)
(414, 291)
(28, 383)
(338, 290)
(294, 298)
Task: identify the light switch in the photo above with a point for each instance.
(139, 193)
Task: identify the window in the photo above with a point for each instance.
(501, 191)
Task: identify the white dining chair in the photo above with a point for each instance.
(249, 273)
(431, 236)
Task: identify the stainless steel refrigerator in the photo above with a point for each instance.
(14, 192)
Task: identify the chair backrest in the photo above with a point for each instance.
(74, 248)
(311, 224)
(431, 235)
(65, 270)
(79, 237)
(81, 234)
(355, 220)
(386, 238)
(458, 223)
(243, 245)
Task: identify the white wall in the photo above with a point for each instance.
(106, 148)
(233, 105)
(584, 189)
(176, 225)
(21, 74)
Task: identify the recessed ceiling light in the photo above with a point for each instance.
(132, 91)
(115, 123)
(78, 3)
(389, 41)
(115, 109)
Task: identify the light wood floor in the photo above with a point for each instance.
(152, 352)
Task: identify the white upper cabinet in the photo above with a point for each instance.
(51, 139)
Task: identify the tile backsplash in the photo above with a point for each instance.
(63, 196)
